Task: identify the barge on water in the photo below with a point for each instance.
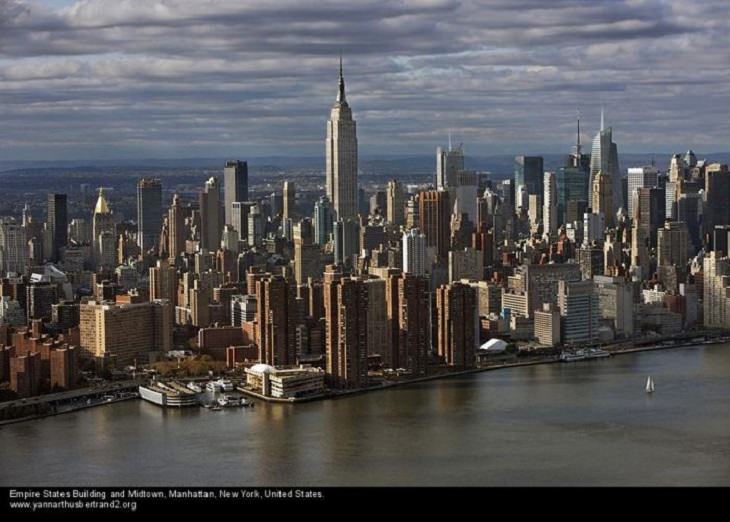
(170, 394)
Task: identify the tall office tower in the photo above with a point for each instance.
(103, 224)
(448, 163)
(677, 168)
(690, 210)
(341, 157)
(108, 250)
(276, 321)
(346, 326)
(409, 322)
(604, 158)
(716, 289)
(579, 309)
(412, 218)
(457, 318)
(255, 235)
(322, 221)
(211, 225)
(721, 239)
(414, 252)
(346, 235)
(395, 203)
(534, 209)
(616, 303)
(290, 200)
(163, 282)
(550, 205)
(14, 255)
(603, 198)
(465, 194)
(434, 213)
(541, 282)
(673, 249)
(717, 190)
(276, 202)
(27, 217)
(572, 182)
(672, 192)
(149, 212)
(529, 174)
(641, 177)
(239, 218)
(39, 300)
(119, 334)
(640, 249)
(58, 222)
(591, 260)
(307, 256)
(649, 210)
(177, 229)
(235, 187)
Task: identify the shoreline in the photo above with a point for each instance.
(471, 371)
(426, 378)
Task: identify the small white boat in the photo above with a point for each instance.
(649, 385)
(225, 385)
(579, 355)
(213, 386)
(232, 401)
(194, 387)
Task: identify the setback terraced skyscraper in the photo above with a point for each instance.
(341, 157)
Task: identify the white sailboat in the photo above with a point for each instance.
(649, 385)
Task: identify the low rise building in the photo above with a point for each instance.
(287, 383)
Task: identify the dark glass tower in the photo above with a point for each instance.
(58, 222)
(235, 187)
(149, 212)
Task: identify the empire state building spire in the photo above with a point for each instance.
(341, 156)
(341, 100)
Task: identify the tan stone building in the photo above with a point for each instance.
(122, 332)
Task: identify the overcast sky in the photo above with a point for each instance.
(182, 78)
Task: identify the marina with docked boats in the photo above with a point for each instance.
(294, 385)
(213, 395)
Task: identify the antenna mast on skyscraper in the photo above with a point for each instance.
(602, 127)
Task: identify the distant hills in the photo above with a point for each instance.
(500, 166)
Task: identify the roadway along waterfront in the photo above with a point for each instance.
(584, 423)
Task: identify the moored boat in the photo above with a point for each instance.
(171, 394)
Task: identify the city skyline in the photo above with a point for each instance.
(85, 80)
(378, 282)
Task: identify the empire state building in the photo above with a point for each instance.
(341, 160)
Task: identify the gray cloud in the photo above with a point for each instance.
(111, 78)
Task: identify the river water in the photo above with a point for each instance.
(584, 423)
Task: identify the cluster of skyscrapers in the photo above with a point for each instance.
(415, 283)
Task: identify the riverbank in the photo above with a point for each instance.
(68, 402)
(623, 347)
(615, 349)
